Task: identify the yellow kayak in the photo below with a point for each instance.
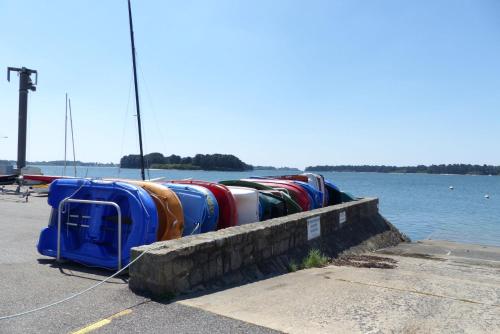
(170, 216)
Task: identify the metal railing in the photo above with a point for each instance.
(84, 201)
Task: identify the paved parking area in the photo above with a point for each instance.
(29, 280)
(435, 286)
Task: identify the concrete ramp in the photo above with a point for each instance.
(435, 287)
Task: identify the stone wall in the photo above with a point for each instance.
(190, 263)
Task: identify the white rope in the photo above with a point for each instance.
(81, 292)
(198, 225)
(76, 294)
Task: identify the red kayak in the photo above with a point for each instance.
(44, 178)
(228, 215)
(297, 193)
(297, 177)
(318, 183)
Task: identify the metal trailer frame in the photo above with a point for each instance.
(84, 201)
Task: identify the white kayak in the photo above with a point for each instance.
(247, 204)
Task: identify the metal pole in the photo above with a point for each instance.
(72, 135)
(59, 209)
(119, 235)
(23, 120)
(136, 90)
(25, 84)
(65, 133)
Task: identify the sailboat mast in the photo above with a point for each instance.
(65, 134)
(72, 135)
(136, 90)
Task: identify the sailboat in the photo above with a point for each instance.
(103, 219)
(38, 178)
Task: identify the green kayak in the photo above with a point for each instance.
(291, 205)
(272, 206)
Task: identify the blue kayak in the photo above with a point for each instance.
(200, 208)
(89, 232)
(314, 194)
(336, 196)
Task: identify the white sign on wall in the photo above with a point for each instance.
(342, 217)
(313, 228)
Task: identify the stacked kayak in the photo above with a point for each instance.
(298, 194)
(89, 232)
(318, 182)
(96, 222)
(301, 192)
(169, 209)
(199, 205)
(228, 214)
(247, 204)
(290, 205)
(271, 206)
(315, 195)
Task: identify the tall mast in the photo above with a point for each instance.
(65, 134)
(136, 90)
(72, 135)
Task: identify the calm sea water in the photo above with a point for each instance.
(420, 205)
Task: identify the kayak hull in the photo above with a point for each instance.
(272, 206)
(44, 178)
(89, 232)
(297, 193)
(291, 205)
(169, 207)
(247, 203)
(228, 214)
(198, 206)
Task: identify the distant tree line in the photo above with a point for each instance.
(224, 162)
(432, 169)
(59, 163)
(276, 168)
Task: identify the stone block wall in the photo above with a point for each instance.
(181, 265)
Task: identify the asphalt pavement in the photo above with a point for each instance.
(423, 287)
(29, 280)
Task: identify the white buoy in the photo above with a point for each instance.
(451, 188)
(487, 196)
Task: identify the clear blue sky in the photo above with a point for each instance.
(291, 83)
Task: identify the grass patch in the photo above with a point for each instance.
(292, 267)
(315, 259)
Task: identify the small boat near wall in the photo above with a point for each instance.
(314, 194)
(247, 203)
(291, 205)
(198, 206)
(228, 214)
(90, 229)
(272, 206)
(169, 207)
(298, 194)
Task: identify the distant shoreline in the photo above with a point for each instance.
(401, 173)
(453, 169)
(60, 163)
(172, 168)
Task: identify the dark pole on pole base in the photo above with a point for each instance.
(143, 175)
(25, 84)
